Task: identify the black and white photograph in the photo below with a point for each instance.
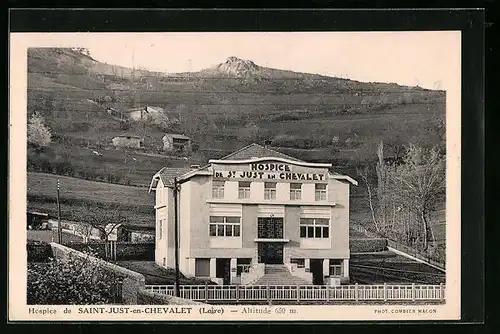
(243, 173)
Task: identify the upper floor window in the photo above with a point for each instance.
(335, 267)
(314, 228)
(270, 190)
(217, 189)
(224, 226)
(243, 189)
(295, 191)
(320, 193)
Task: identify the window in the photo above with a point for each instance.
(243, 189)
(160, 229)
(314, 228)
(320, 194)
(301, 263)
(224, 227)
(202, 267)
(243, 265)
(164, 262)
(295, 191)
(270, 190)
(335, 267)
(218, 189)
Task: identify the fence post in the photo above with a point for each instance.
(385, 291)
(356, 296)
(413, 291)
(298, 293)
(268, 294)
(206, 291)
(237, 292)
(441, 291)
(327, 292)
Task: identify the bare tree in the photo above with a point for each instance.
(419, 185)
(105, 217)
(365, 176)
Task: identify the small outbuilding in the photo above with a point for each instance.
(143, 113)
(127, 141)
(176, 143)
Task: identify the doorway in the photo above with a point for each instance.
(223, 270)
(270, 253)
(316, 268)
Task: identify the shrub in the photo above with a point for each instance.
(74, 281)
(38, 251)
(38, 134)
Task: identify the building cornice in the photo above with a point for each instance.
(344, 177)
(270, 202)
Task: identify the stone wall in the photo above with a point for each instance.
(125, 251)
(132, 281)
(133, 286)
(145, 297)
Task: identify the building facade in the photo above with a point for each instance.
(254, 208)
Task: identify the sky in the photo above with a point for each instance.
(426, 59)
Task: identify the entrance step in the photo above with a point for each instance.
(278, 274)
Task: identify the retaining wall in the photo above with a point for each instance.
(132, 281)
(125, 251)
(145, 297)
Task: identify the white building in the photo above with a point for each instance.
(255, 208)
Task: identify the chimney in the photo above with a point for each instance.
(267, 143)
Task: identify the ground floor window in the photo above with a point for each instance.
(202, 267)
(336, 267)
(224, 226)
(243, 266)
(301, 263)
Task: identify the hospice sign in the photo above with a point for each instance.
(269, 171)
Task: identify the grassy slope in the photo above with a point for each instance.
(73, 191)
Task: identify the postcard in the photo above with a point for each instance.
(243, 176)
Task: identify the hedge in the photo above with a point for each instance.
(38, 251)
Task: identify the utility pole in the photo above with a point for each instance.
(59, 226)
(176, 240)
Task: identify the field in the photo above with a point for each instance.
(136, 202)
(387, 267)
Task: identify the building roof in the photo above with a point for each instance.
(252, 151)
(176, 135)
(256, 151)
(127, 136)
(167, 175)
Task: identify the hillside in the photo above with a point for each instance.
(222, 108)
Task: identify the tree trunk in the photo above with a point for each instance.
(426, 230)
